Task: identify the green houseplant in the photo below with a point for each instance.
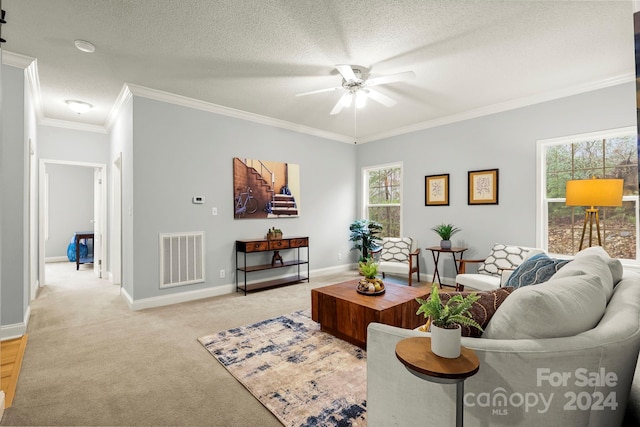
(446, 319)
(369, 268)
(370, 283)
(445, 231)
(364, 234)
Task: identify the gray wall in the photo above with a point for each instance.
(13, 281)
(506, 141)
(70, 205)
(55, 143)
(180, 152)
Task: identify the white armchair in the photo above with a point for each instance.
(398, 255)
(494, 270)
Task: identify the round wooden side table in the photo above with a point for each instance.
(416, 355)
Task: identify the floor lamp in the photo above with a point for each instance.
(593, 192)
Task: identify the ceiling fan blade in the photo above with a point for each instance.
(407, 75)
(347, 72)
(339, 105)
(381, 98)
(318, 91)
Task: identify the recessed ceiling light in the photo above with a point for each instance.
(85, 46)
(78, 106)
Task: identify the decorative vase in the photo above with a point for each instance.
(445, 244)
(445, 342)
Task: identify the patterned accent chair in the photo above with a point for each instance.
(494, 270)
(398, 255)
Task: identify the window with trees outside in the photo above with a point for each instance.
(383, 197)
(610, 154)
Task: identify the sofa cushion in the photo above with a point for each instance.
(615, 266)
(560, 308)
(481, 282)
(482, 310)
(537, 269)
(396, 249)
(590, 265)
(502, 256)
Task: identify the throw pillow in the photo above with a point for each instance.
(502, 256)
(561, 308)
(482, 310)
(396, 249)
(537, 269)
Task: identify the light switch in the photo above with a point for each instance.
(214, 211)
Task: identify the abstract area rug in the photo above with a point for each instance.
(305, 377)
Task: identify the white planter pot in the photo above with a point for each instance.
(445, 342)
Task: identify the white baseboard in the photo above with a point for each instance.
(179, 297)
(56, 259)
(175, 298)
(16, 330)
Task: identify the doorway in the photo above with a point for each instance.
(96, 175)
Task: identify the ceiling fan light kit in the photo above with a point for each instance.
(359, 88)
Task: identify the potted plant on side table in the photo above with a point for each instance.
(445, 231)
(446, 319)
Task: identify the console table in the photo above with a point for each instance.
(260, 246)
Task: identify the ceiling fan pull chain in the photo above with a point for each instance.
(355, 125)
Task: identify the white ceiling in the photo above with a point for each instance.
(469, 57)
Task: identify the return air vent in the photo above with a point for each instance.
(181, 259)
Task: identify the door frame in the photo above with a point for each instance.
(102, 206)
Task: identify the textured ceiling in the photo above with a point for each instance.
(254, 56)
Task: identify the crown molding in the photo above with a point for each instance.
(123, 98)
(15, 59)
(504, 106)
(32, 78)
(65, 124)
(184, 101)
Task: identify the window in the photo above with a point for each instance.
(382, 191)
(610, 154)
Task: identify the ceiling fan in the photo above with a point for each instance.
(360, 89)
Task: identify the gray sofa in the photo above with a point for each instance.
(539, 365)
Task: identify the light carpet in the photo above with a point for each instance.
(304, 376)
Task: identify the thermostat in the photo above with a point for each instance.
(198, 200)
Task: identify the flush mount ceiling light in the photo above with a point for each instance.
(84, 46)
(78, 106)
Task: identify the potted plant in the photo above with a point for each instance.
(370, 283)
(445, 231)
(446, 320)
(365, 235)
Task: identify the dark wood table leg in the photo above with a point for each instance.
(77, 252)
(436, 257)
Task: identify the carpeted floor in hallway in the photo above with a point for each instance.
(90, 360)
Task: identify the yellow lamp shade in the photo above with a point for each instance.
(594, 192)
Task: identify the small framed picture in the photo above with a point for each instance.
(436, 188)
(483, 187)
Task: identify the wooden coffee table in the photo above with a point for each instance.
(344, 313)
